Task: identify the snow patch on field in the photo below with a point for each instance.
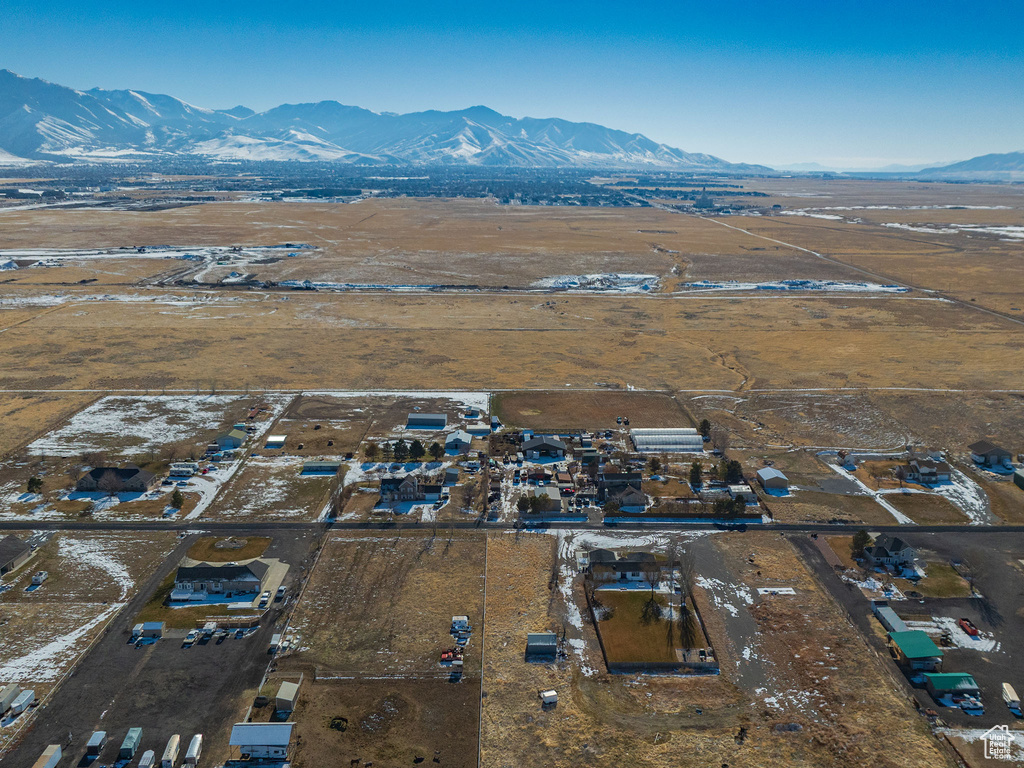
(48, 662)
(478, 400)
(610, 282)
(830, 286)
(901, 518)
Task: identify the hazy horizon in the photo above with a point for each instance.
(778, 85)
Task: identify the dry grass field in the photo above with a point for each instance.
(272, 488)
(373, 620)
(605, 719)
(25, 416)
(381, 604)
(588, 410)
(926, 509)
(305, 340)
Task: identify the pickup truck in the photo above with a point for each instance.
(191, 637)
(265, 599)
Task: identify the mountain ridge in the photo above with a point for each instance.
(44, 121)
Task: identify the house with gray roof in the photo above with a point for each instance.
(129, 479)
(13, 554)
(201, 581)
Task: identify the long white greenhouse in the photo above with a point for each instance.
(680, 440)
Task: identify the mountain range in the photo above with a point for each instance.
(44, 121)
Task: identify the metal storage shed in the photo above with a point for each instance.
(772, 478)
(674, 440)
(287, 694)
(541, 646)
(427, 421)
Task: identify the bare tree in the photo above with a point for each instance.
(109, 482)
(720, 439)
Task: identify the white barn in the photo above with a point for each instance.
(674, 440)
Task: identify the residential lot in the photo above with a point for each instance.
(162, 687)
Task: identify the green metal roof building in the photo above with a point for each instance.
(914, 649)
(940, 683)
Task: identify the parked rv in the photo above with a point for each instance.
(148, 759)
(50, 757)
(97, 742)
(130, 745)
(1011, 699)
(195, 749)
(171, 752)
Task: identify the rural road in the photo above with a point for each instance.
(201, 526)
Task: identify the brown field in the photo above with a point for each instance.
(817, 506)
(627, 638)
(605, 719)
(386, 722)
(926, 509)
(485, 342)
(382, 604)
(25, 417)
(588, 410)
(1006, 498)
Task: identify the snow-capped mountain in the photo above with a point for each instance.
(44, 121)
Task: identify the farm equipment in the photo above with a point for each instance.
(451, 655)
(968, 626)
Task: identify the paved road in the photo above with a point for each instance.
(286, 525)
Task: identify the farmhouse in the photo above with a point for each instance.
(231, 439)
(682, 440)
(408, 488)
(458, 441)
(197, 583)
(915, 650)
(771, 479)
(13, 554)
(629, 499)
(606, 566)
(890, 551)
(544, 446)
(432, 421)
(549, 496)
(610, 484)
(128, 479)
(989, 455)
(927, 468)
(261, 741)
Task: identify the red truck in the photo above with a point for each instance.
(968, 626)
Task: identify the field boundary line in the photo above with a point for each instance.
(483, 635)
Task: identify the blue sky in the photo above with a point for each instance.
(842, 84)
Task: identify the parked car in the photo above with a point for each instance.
(281, 591)
(191, 637)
